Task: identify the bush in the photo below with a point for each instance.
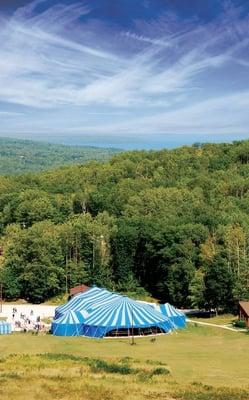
(101, 365)
(239, 323)
(64, 357)
(161, 371)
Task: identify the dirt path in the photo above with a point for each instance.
(216, 326)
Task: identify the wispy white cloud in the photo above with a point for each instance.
(222, 115)
(40, 65)
(161, 42)
(10, 113)
(169, 75)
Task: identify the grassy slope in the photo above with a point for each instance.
(224, 319)
(202, 361)
(19, 156)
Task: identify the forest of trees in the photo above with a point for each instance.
(173, 224)
(21, 156)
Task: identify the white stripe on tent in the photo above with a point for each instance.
(125, 312)
(87, 300)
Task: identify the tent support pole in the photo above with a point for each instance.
(132, 329)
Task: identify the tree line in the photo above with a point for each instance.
(172, 224)
(21, 156)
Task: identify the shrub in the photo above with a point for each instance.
(155, 362)
(239, 323)
(101, 365)
(161, 371)
(63, 357)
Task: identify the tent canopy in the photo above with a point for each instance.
(69, 324)
(5, 328)
(176, 316)
(123, 313)
(85, 300)
(98, 312)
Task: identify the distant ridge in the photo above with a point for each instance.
(20, 155)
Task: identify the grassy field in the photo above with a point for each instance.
(199, 363)
(224, 319)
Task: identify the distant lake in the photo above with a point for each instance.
(147, 142)
(131, 142)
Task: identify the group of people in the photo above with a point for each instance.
(25, 323)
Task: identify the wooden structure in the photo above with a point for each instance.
(244, 312)
(78, 289)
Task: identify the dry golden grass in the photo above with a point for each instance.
(204, 364)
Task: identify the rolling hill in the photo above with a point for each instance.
(20, 156)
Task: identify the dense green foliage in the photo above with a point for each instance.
(20, 156)
(173, 223)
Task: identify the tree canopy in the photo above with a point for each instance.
(171, 223)
(20, 156)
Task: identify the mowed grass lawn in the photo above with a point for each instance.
(198, 363)
(224, 319)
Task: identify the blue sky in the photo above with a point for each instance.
(154, 71)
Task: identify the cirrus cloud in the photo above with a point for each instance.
(163, 75)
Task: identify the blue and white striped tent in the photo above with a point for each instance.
(175, 316)
(5, 328)
(69, 324)
(85, 301)
(124, 314)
